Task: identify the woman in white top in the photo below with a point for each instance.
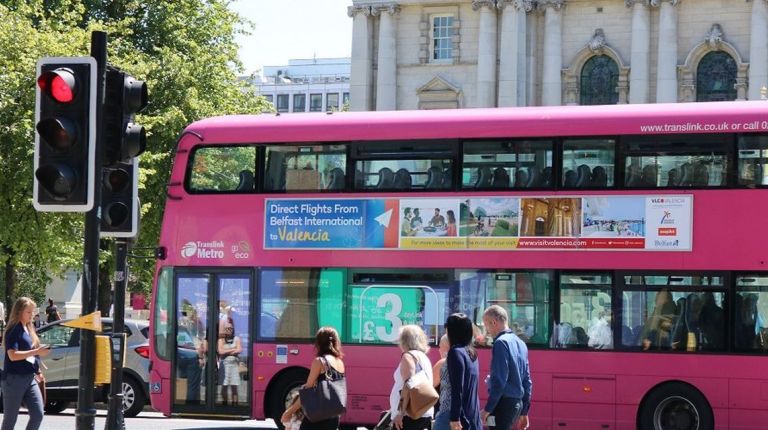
(413, 343)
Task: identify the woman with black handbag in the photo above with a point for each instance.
(326, 366)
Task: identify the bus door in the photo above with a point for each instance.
(212, 360)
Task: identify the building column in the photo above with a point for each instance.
(551, 89)
(486, 53)
(531, 59)
(666, 68)
(386, 76)
(758, 49)
(512, 52)
(640, 52)
(361, 68)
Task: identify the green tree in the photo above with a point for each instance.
(186, 53)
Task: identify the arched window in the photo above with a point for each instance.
(716, 78)
(599, 79)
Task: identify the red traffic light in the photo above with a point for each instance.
(59, 84)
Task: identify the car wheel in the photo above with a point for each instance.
(676, 406)
(133, 397)
(281, 393)
(54, 407)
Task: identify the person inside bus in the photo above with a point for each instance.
(229, 349)
(327, 363)
(600, 333)
(746, 327)
(691, 313)
(414, 346)
(192, 337)
(450, 229)
(659, 323)
(437, 219)
(660, 338)
(712, 321)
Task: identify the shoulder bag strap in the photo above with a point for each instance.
(418, 362)
(327, 367)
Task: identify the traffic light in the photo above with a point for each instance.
(123, 97)
(120, 199)
(65, 142)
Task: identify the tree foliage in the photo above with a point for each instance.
(184, 50)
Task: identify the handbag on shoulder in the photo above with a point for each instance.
(327, 399)
(418, 395)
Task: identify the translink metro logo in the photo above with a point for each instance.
(205, 250)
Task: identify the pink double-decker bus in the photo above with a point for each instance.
(627, 244)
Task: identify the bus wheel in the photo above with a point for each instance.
(676, 406)
(281, 392)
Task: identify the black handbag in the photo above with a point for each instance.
(327, 399)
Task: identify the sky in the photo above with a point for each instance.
(288, 29)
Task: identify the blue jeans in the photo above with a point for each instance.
(18, 388)
(442, 421)
(506, 413)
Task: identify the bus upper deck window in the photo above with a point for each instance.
(588, 163)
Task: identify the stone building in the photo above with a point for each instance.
(425, 54)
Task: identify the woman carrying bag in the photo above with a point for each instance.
(22, 366)
(326, 366)
(413, 343)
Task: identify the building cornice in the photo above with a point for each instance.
(631, 3)
(354, 10)
(390, 8)
(479, 4)
(657, 3)
(554, 4)
(521, 5)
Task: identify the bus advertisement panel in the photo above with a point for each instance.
(649, 223)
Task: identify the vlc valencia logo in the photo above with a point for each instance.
(667, 218)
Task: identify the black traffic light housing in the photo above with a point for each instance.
(120, 199)
(65, 141)
(123, 97)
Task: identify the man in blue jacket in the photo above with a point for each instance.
(509, 384)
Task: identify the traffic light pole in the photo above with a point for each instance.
(115, 418)
(86, 412)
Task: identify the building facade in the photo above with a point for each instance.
(426, 54)
(307, 85)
